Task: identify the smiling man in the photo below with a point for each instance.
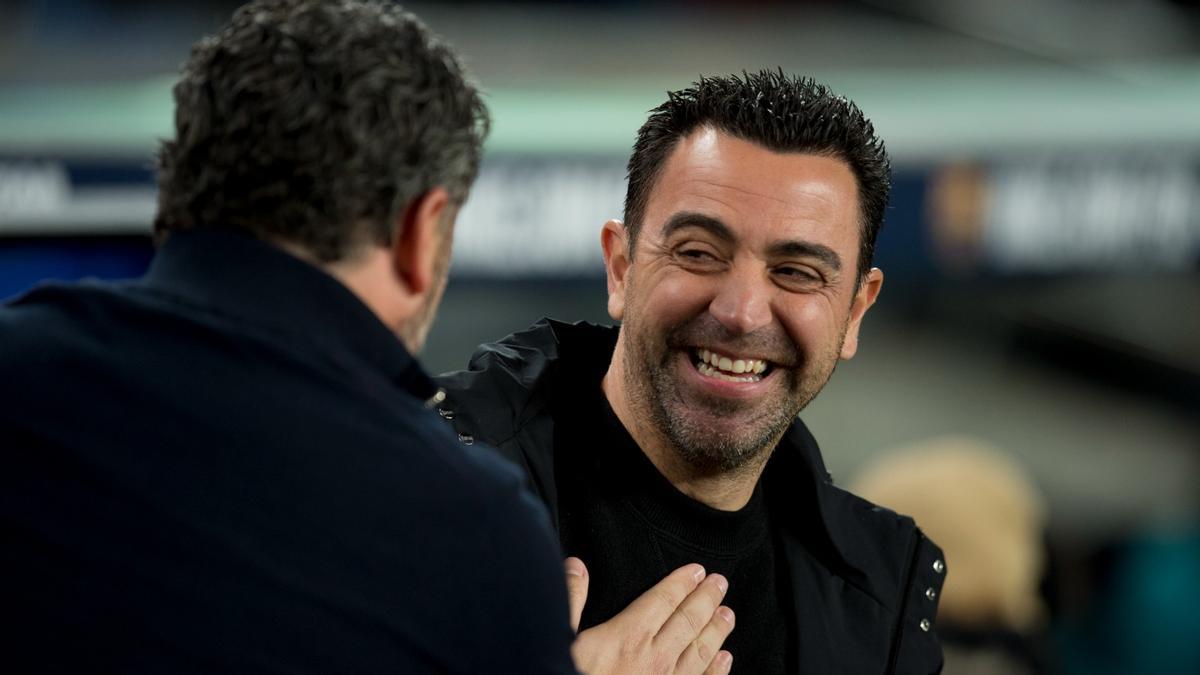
(741, 275)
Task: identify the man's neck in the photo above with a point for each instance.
(368, 275)
(725, 491)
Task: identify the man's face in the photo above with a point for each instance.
(740, 296)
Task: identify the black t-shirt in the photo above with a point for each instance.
(632, 527)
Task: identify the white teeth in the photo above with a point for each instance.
(730, 365)
(709, 371)
(725, 368)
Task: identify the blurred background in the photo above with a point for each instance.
(1042, 249)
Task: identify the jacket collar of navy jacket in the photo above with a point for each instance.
(830, 521)
(227, 272)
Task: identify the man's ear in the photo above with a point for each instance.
(868, 291)
(614, 239)
(415, 249)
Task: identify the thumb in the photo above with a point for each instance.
(577, 588)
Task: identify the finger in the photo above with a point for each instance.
(720, 665)
(705, 655)
(577, 589)
(692, 616)
(652, 608)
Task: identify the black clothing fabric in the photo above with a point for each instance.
(228, 466)
(862, 582)
(632, 527)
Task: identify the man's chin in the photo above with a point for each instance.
(714, 429)
(710, 440)
(709, 456)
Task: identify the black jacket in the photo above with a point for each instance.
(865, 580)
(228, 466)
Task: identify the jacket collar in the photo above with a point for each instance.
(226, 272)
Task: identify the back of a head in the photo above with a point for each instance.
(780, 113)
(314, 123)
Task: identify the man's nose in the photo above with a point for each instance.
(743, 302)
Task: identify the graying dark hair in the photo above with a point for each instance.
(316, 122)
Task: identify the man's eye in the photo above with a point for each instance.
(696, 254)
(797, 274)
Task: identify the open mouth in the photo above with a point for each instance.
(729, 368)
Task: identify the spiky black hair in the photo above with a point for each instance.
(779, 112)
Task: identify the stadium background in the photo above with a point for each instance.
(1042, 248)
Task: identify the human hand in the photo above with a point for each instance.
(676, 627)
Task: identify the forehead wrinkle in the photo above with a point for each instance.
(734, 188)
(802, 209)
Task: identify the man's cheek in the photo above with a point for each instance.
(809, 316)
(680, 296)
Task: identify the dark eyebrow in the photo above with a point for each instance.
(782, 249)
(806, 249)
(685, 219)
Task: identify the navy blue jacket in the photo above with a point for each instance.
(864, 580)
(228, 466)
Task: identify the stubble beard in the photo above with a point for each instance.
(416, 329)
(698, 429)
